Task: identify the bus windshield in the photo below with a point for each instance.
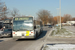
(22, 25)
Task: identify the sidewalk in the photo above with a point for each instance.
(56, 39)
(60, 43)
(59, 39)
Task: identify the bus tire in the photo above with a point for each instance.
(11, 35)
(36, 36)
(40, 31)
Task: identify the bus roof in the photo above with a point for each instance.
(23, 16)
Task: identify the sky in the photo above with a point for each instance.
(31, 7)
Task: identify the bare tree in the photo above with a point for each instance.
(14, 13)
(44, 15)
(67, 17)
(56, 19)
(3, 10)
(73, 19)
(51, 20)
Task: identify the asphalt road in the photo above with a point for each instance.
(24, 44)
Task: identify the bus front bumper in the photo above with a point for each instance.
(23, 37)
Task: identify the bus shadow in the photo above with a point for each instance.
(41, 35)
(25, 40)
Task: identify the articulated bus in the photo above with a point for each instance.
(26, 28)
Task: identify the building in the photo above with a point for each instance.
(71, 22)
(7, 23)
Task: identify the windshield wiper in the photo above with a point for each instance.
(24, 29)
(16, 30)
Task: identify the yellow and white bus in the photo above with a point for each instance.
(26, 28)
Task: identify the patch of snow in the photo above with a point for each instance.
(67, 36)
(59, 47)
(71, 32)
(63, 34)
(67, 30)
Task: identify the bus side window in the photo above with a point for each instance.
(38, 26)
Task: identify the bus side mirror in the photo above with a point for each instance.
(34, 27)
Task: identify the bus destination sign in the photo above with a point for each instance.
(24, 18)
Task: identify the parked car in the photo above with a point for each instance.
(6, 33)
(1, 32)
(50, 26)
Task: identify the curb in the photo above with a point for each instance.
(44, 42)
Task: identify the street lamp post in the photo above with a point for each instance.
(57, 14)
(60, 13)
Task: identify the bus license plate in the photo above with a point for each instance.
(22, 37)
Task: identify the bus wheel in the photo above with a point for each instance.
(36, 36)
(41, 31)
(11, 35)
